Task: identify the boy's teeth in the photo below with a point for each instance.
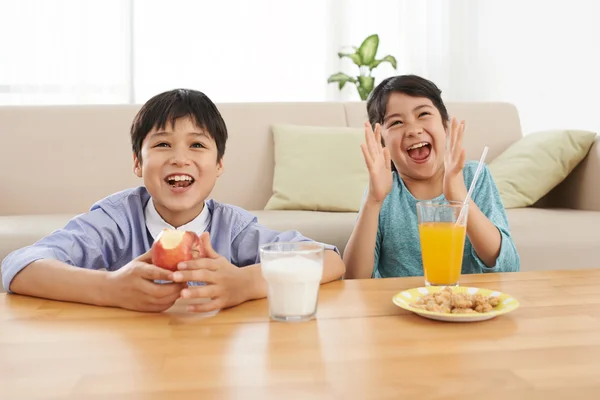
(180, 178)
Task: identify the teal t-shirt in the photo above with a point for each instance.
(397, 248)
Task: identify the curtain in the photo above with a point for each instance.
(541, 56)
(64, 52)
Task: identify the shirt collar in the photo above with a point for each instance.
(155, 224)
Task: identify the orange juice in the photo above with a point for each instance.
(442, 246)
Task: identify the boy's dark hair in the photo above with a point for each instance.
(168, 107)
(411, 85)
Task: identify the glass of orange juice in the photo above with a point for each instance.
(442, 241)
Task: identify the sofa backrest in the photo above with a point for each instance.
(62, 159)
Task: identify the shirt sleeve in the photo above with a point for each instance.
(92, 240)
(487, 198)
(245, 246)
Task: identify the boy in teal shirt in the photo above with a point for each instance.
(413, 155)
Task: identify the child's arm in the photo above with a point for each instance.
(131, 287)
(487, 224)
(484, 236)
(66, 266)
(53, 279)
(359, 254)
(488, 230)
(79, 243)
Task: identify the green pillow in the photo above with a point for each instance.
(318, 169)
(535, 164)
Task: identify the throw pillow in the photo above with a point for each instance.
(535, 164)
(318, 168)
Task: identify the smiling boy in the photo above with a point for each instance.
(178, 141)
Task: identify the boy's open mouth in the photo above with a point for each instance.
(179, 180)
(419, 151)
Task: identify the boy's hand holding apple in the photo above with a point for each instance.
(226, 285)
(132, 287)
(178, 256)
(172, 247)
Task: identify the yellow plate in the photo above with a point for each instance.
(405, 298)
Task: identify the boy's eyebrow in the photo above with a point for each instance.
(159, 133)
(165, 133)
(417, 108)
(201, 133)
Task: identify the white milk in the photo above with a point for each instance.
(293, 285)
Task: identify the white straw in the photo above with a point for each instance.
(472, 187)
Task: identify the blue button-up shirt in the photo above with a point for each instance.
(115, 231)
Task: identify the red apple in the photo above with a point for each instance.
(172, 247)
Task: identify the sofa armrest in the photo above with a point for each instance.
(581, 189)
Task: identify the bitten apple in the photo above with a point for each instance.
(172, 247)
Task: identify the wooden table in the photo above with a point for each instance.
(361, 346)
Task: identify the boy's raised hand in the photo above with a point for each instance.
(132, 287)
(378, 163)
(226, 285)
(454, 161)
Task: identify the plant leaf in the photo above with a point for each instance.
(368, 49)
(355, 57)
(365, 86)
(363, 94)
(390, 59)
(341, 79)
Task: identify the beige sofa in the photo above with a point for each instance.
(56, 161)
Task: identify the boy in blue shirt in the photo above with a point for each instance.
(178, 140)
(422, 160)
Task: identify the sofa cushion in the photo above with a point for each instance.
(326, 227)
(550, 239)
(534, 165)
(318, 168)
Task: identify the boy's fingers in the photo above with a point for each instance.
(212, 305)
(154, 273)
(208, 249)
(158, 291)
(201, 292)
(169, 299)
(163, 290)
(146, 257)
(196, 275)
(199, 263)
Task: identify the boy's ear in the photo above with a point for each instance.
(220, 167)
(137, 166)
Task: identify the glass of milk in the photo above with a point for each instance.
(293, 271)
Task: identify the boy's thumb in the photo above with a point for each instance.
(146, 257)
(209, 252)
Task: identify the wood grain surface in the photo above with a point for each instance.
(360, 346)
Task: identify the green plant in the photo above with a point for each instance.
(364, 58)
